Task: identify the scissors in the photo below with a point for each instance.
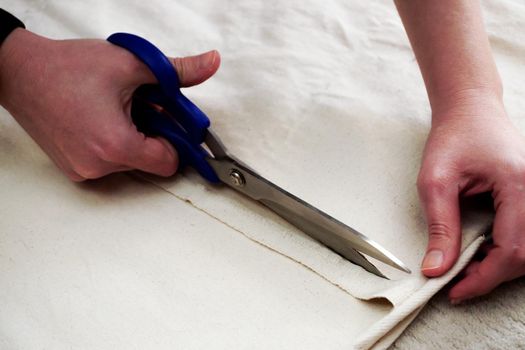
(162, 110)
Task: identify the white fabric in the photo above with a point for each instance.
(119, 264)
(325, 99)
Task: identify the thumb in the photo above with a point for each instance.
(157, 155)
(441, 206)
(193, 70)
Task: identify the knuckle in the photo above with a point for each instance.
(517, 254)
(180, 67)
(169, 170)
(512, 169)
(112, 149)
(131, 66)
(163, 168)
(433, 181)
(514, 165)
(75, 177)
(484, 287)
(439, 232)
(86, 172)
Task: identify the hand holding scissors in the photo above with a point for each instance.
(162, 110)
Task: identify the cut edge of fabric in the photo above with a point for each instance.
(417, 300)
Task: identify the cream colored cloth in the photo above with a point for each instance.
(325, 99)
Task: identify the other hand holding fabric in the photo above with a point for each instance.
(474, 148)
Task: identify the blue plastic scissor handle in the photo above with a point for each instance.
(188, 130)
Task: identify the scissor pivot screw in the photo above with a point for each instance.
(236, 178)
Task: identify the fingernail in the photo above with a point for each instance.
(456, 301)
(433, 260)
(207, 59)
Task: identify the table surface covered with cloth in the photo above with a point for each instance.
(323, 98)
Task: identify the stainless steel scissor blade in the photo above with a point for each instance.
(162, 110)
(334, 234)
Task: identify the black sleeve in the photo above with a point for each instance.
(8, 23)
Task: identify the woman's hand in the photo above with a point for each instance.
(74, 97)
(474, 148)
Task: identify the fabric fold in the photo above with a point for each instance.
(324, 100)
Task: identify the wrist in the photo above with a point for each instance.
(14, 55)
(467, 103)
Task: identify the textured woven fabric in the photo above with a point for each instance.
(325, 99)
